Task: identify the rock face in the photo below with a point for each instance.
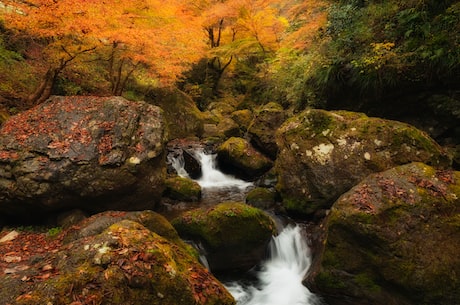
(237, 156)
(234, 235)
(125, 264)
(393, 239)
(183, 117)
(86, 152)
(322, 154)
(263, 127)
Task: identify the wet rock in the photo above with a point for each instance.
(393, 239)
(235, 235)
(261, 198)
(324, 153)
(82, 152)
(183, 189)
(237, 156)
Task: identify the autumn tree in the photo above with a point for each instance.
(240, 29)
(158, 38)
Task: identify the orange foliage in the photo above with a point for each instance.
(311, 15)
(163, 36)
(258, 21)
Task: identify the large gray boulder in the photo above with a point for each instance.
(322, 154)
(94, 153)
(394, 239)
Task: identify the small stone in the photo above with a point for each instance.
(367, 156)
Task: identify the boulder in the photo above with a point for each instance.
(237, 156)
(97, 223)
(393, 239)
(242, 117)
(125, 264)
(92, 153)
(184, 189)
(263, 127)
(261, 197)
(322, 154)
(234, 235)
(183, 117)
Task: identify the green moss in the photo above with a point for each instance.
(327, 281)
(180, 188)
(225, 225)
(318, 121)
(300, 206)
(366, 281)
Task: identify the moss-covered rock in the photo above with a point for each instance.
(393, 239)
(97, 223)
(242, 117)
(262, 129)
(261, 197)
(183, 117)
(324, 153)
(235, 235)
(125, 264)
(184, 189)
(236, 155)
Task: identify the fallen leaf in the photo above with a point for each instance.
(12, 259)
(9, 237)
(47, 267)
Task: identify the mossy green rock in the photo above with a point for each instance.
(394, 239)
(262, 129)
(184, 189)
(262, 198)
(235, 235)
(183, 117)
(324, 153)
(242, 117)
(239, 157)
(125, 264)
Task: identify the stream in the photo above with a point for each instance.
(278, 279)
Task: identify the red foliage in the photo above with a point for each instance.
(20, 254)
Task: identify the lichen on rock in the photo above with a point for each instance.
(322, 154)
(393, 239)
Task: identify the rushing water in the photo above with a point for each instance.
(215, 185)
(279, 280)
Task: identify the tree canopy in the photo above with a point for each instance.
(157, 37)
(296, 52)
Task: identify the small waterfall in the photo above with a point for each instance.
(178, 163)
(281, 275)
(214, 178)
(215, 185)
(279, 281)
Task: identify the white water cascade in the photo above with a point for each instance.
(279, 281)
(281, 275)
(214, 184)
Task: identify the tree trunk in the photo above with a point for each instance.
(44, 90)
